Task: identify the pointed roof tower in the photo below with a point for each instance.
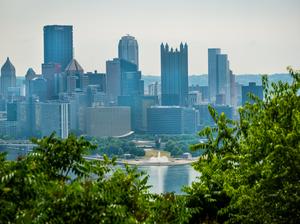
(8, 68)
(74, 68)
(30, 74)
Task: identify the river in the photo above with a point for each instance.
(162, 179)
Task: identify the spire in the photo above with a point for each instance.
(8, 67)
(181, 46)
(167, 47)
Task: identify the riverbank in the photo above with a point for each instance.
(146, 162)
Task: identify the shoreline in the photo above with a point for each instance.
(144, 162)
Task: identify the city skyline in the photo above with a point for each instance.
(259, 37)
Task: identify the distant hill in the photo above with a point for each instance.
(244, 79)
(202, 80)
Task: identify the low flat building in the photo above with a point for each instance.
(171, 120)
(107, 121)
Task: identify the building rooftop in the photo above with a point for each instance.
(30, 74)
(8, 66)
(74, 67)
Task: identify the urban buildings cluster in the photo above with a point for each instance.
(64, 98)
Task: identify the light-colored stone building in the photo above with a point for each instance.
(107, 121)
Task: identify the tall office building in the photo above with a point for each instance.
(131, 84)
(212, 72)
(115, 70)
(38, 88)
(99, 79)
(52, 116)
(174, 75)
(218, 76)
(49, 72)
(58, 44)
(30, 74)
(75, 77)
(128, 50)
(8, 77)
(253, 89)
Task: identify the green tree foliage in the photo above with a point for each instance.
(250, 170)
(55, 184)
(118, 147)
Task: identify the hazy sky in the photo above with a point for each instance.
(260, 36)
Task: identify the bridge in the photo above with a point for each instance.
(17, 144)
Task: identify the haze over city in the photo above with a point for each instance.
(259, 36)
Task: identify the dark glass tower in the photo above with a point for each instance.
(174, 75)
(58, 45)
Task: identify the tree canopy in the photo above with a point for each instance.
(250, 169)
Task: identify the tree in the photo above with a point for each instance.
(55, 184)
(250, 170)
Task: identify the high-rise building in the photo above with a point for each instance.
(115, 70)
(52, 116)
(131, 84)
(174, 75)
(99, 79)
(213, 72)
(58, 44)
(251, 88)
(128, 50)
(49, 72)
(26, 118)
(30, 74)
(38, 88)
(75, 77)
(138, 106)
(8, 77)
(218, 76)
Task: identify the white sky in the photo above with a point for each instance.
(260, 36)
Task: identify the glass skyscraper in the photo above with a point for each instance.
(58, 45)
(174, 75)
(8, 77)
(219, 76)
(128, 50)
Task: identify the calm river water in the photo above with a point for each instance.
(161, 178)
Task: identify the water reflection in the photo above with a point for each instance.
(169, 178)
(161, 178)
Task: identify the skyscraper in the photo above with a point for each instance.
(218, 75)
(30, 74)
(253, 89)
(52, 116)
(174, 75)
(212, 72)
(58, 44)
(128, 50)
(115, 70)
(8, 77)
